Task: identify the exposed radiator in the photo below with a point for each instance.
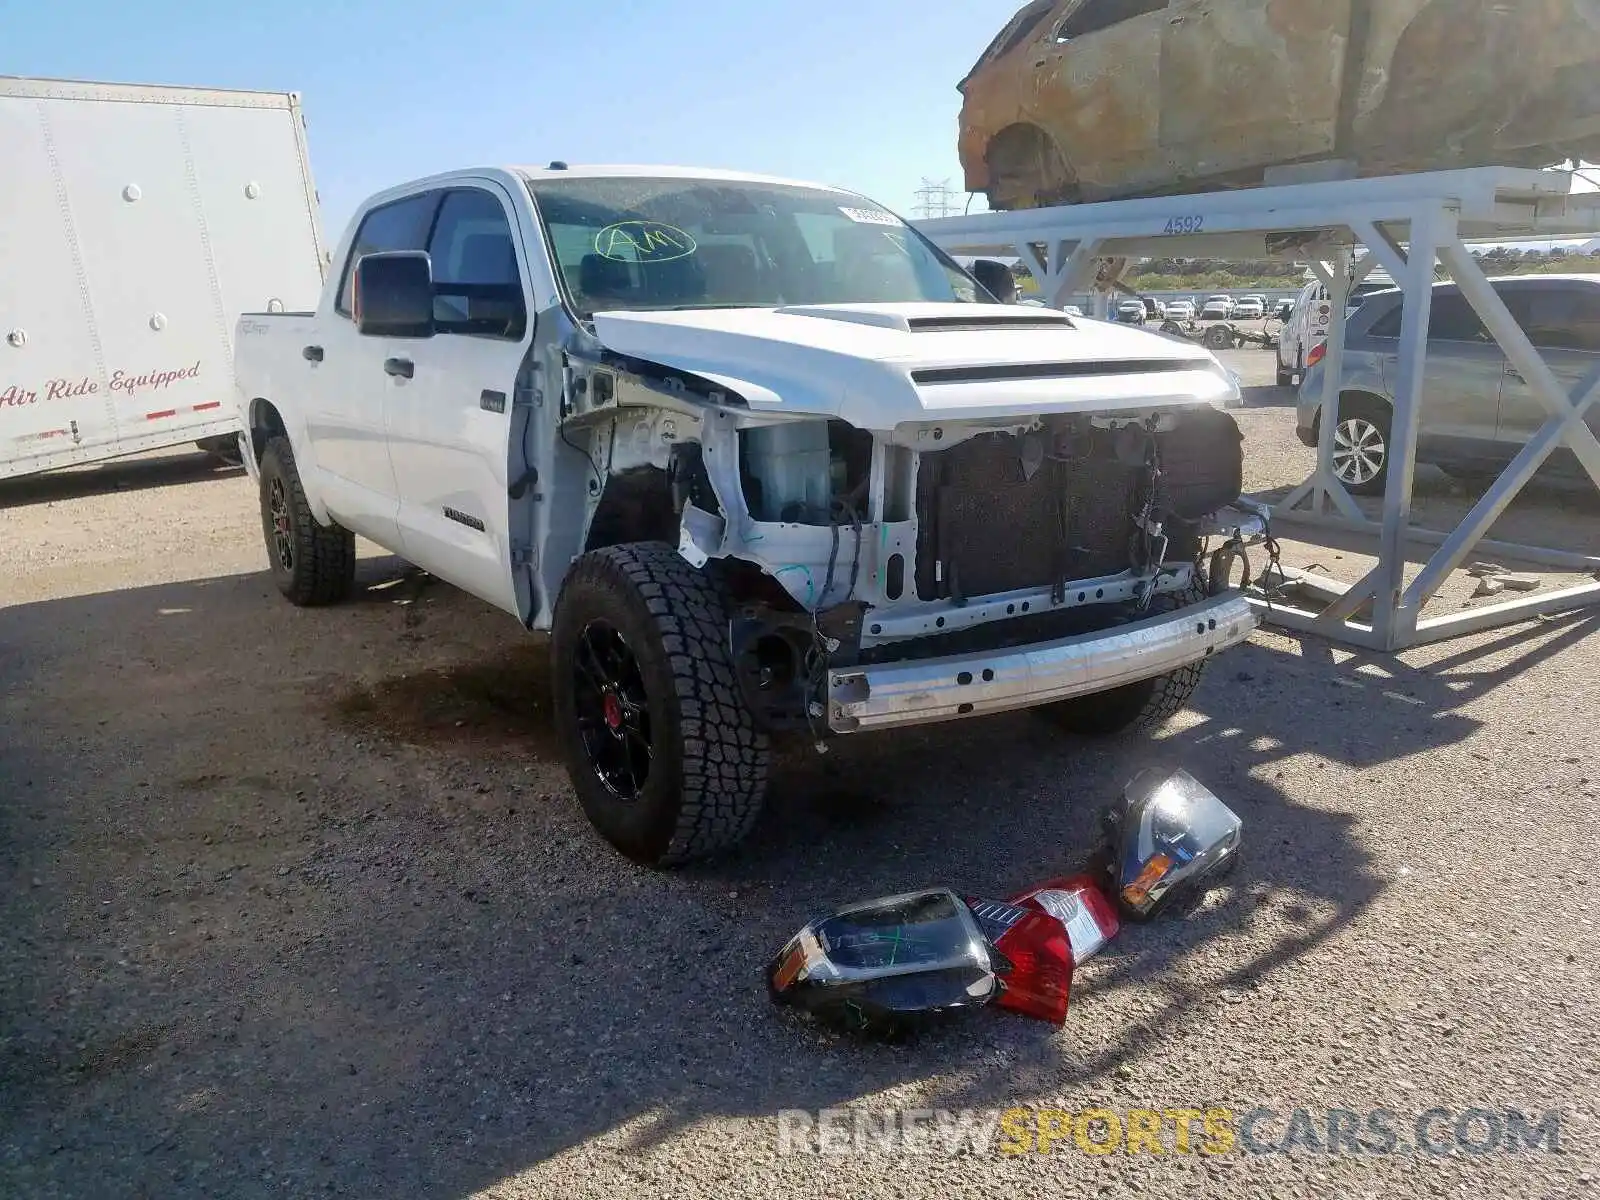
(987, 525)
(988, 528)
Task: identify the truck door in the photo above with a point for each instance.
(347, 390)
(449, 406)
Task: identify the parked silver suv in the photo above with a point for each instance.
(1477, 411)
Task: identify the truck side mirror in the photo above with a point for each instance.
(393, 294)
(996, 279)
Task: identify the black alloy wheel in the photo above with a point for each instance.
(282, 532)
(613, 710)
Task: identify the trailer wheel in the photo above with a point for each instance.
(1220, 337)
(663, 753)
(1135, 707)
(224, 450)
(311, 563)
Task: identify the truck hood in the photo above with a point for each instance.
(878, 366)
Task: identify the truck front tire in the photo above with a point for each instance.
(312, 564)
(1135, 707)
(661, 749)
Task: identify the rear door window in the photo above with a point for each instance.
(1453, 320)
(402, 225)
(1388, 325)
(1558, 318)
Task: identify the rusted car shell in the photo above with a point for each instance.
(1098, 99)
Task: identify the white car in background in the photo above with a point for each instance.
(1308, 323)
(1217, 308)
(1181, 310)
(1249, 309)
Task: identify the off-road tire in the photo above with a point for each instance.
(1134, 707)
(322, 559)
(708, 771)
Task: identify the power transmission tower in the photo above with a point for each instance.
(934, 199)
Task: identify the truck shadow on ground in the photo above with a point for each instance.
(131, 475)
(328, 939)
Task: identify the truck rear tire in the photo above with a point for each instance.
(663, 753)
(1135, 707)
(312, 564)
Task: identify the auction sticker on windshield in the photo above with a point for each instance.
(870, 216)
(643, 241)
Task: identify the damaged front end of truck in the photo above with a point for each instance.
(915, 503)
(985, 554)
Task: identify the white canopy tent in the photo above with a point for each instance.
(1408, 224)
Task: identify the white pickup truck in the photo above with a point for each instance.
(760, 457)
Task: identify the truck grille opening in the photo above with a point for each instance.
(1002, 512)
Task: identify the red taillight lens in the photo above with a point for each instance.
(1036, 971)
(1318, 353)
(1079, 903)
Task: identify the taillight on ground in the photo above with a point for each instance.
(1033, 958)
(1318, 353)
(1080, 904)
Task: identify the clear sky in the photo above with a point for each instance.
(859, 93)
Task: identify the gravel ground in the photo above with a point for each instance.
(298, 903)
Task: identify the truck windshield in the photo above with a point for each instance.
(646, 243)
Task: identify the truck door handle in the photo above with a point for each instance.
(311, 353)
(400, 368)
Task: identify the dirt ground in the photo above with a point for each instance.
(298, 902)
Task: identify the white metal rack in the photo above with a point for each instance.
(1407, 223)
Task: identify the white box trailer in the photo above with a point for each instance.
(136, 224)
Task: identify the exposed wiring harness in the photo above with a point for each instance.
(822, 645)
(842, 508)
(598, 476)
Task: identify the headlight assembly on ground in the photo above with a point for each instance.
(883, 964)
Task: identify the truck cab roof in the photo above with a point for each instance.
(649, 171)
